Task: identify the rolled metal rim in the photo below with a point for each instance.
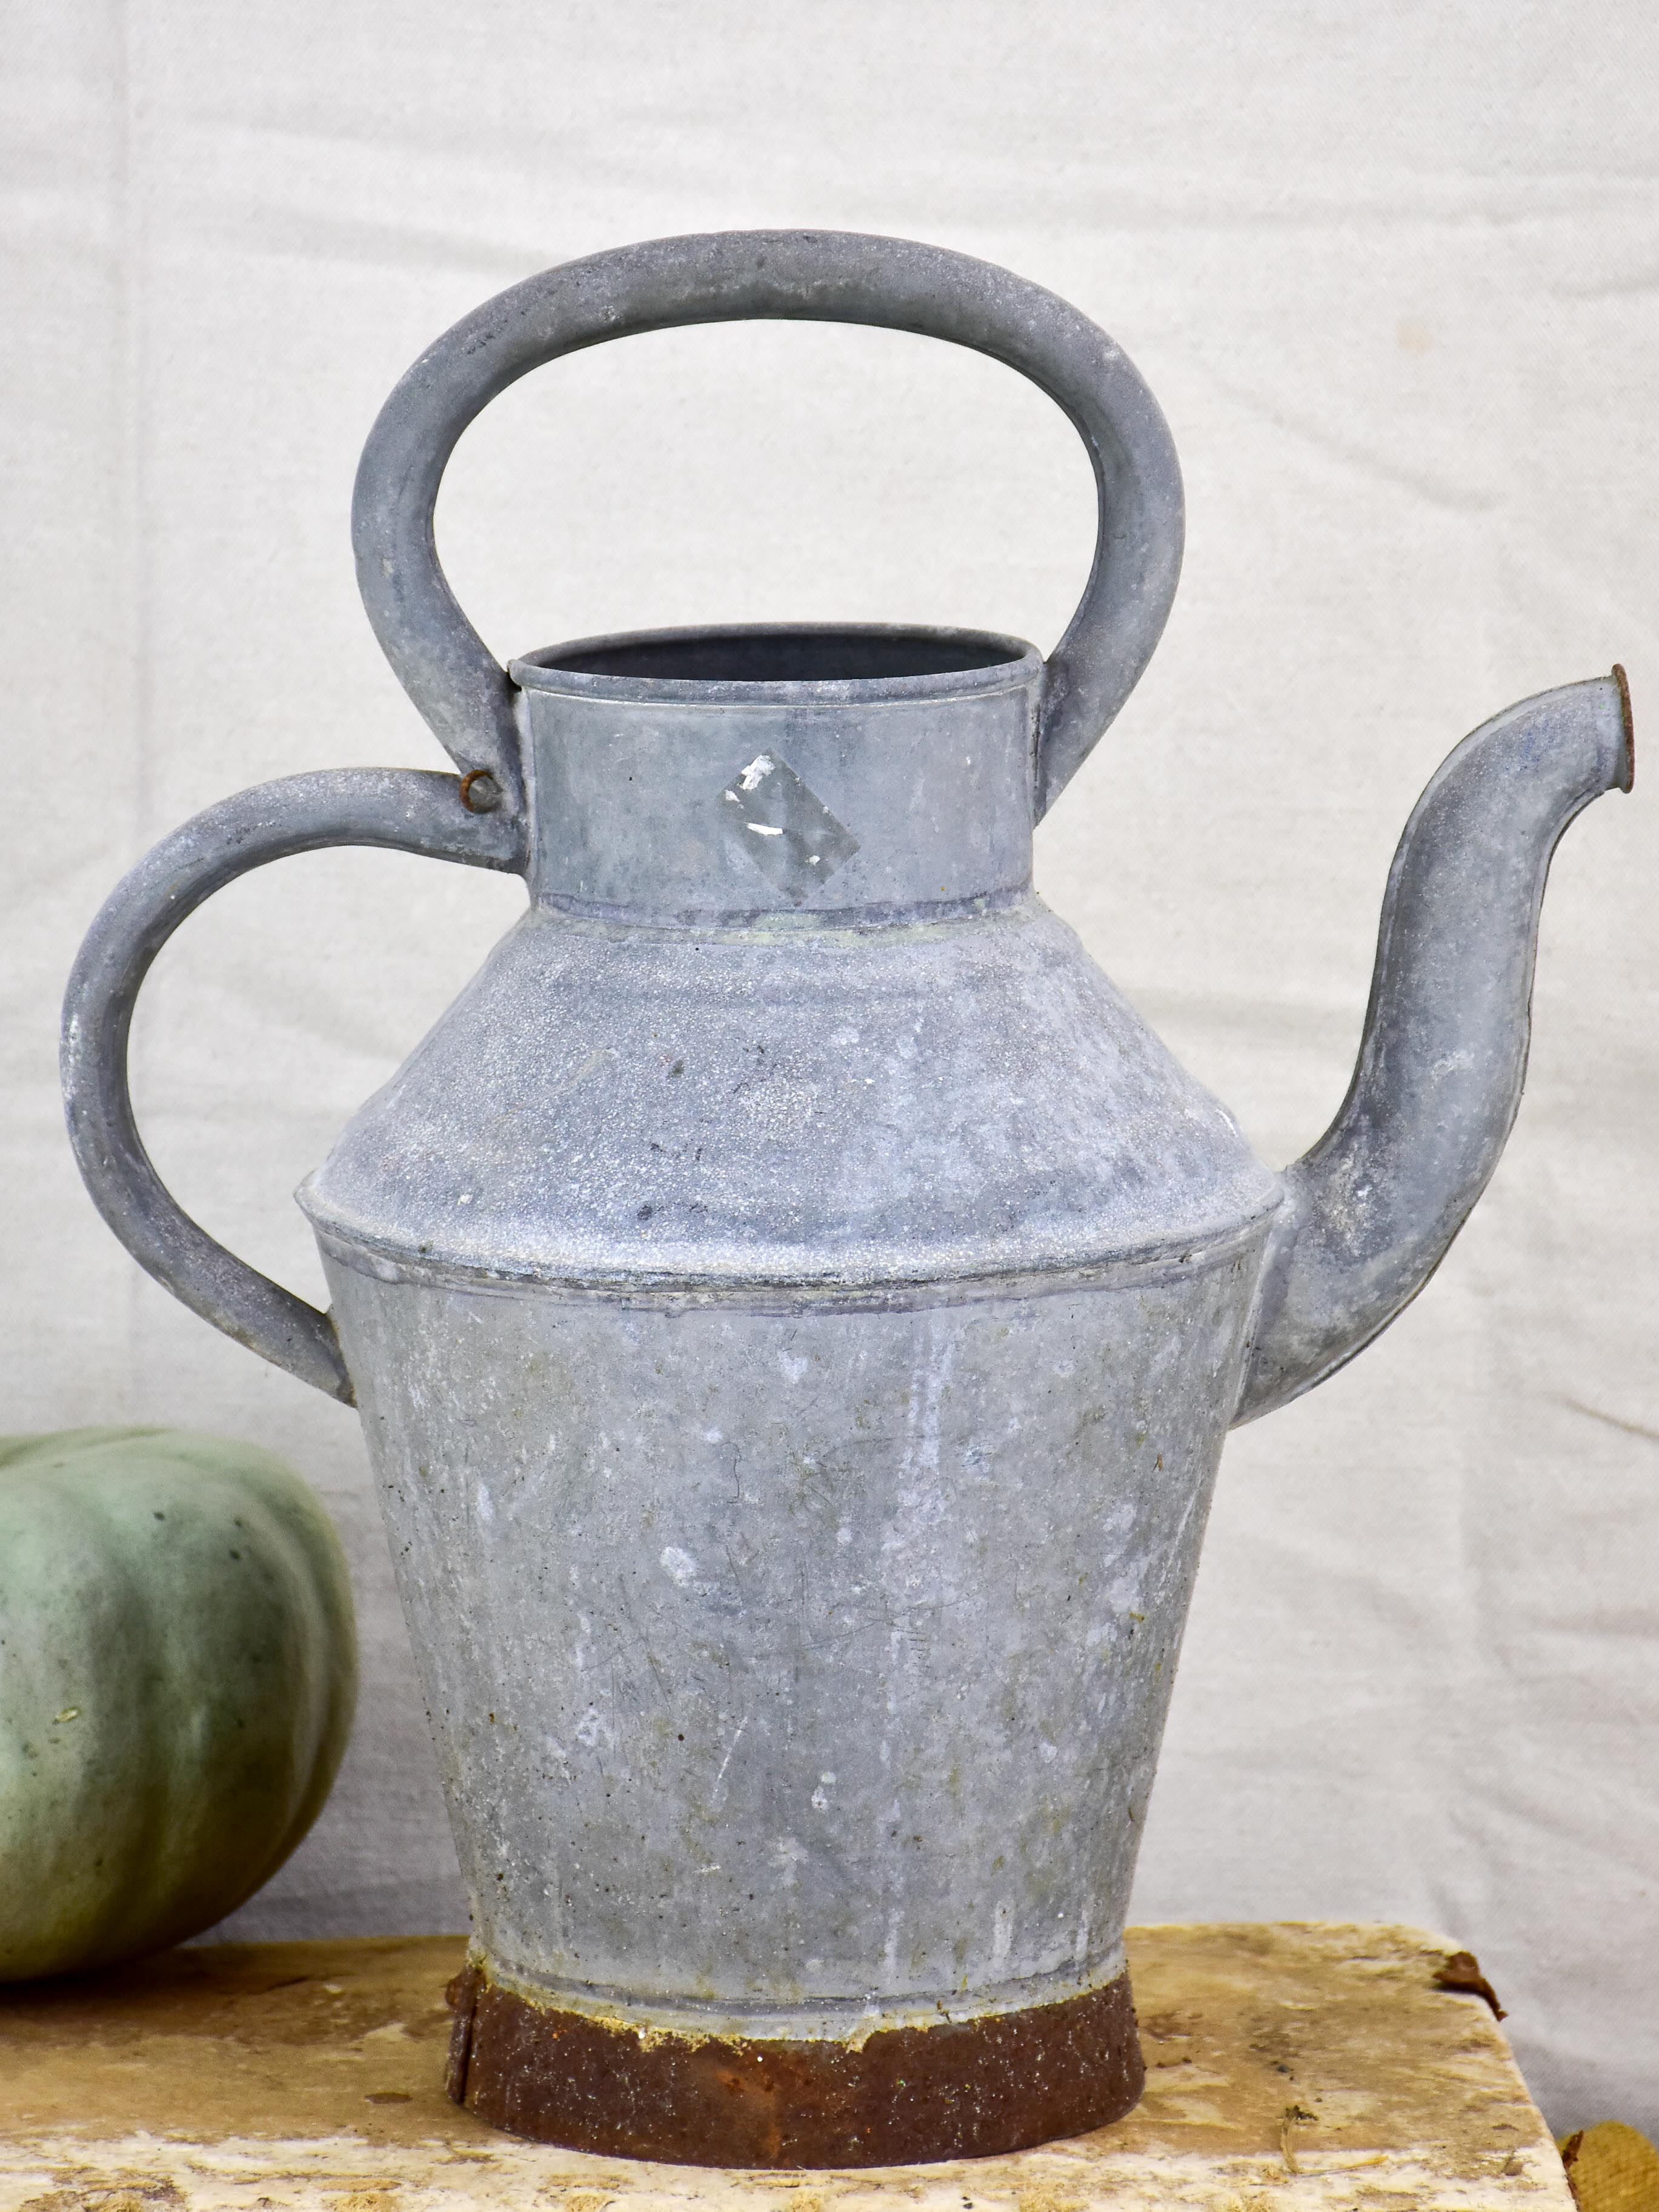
(1015, 662)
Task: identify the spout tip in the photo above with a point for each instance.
(1626, 782)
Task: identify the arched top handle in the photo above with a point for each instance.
(808, 276)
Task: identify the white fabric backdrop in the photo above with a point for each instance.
(1394, 273)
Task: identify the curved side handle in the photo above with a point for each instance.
(405, 808)
(812, 275)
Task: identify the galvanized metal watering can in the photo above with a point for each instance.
(795, 1304)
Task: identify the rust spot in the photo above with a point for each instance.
(462, 1996)
(1460, 1971)
(1627, 782)
(908, 2095)
(480, 792)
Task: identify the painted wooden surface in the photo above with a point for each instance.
(1288, 2066)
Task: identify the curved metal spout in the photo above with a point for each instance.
(1369, 1211)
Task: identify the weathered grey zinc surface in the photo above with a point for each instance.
(640, 808)
(1371, 1209)
(794, 1301)
(803, 1670)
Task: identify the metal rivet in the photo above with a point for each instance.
(480, 792)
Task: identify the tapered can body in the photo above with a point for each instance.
(795, 1345)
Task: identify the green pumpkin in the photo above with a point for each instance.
(178, 1670)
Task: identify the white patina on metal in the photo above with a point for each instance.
(795, 1304)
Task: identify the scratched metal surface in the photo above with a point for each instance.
(795, 1350)
(809, 1667)
(891, 1108)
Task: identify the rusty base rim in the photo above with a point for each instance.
(906, 2096)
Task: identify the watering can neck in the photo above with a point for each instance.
(858, 774)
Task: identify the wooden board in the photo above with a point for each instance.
(1288, 2067)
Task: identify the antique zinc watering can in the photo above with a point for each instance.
(794, 1304)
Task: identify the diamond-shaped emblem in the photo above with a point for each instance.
(785, 828)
